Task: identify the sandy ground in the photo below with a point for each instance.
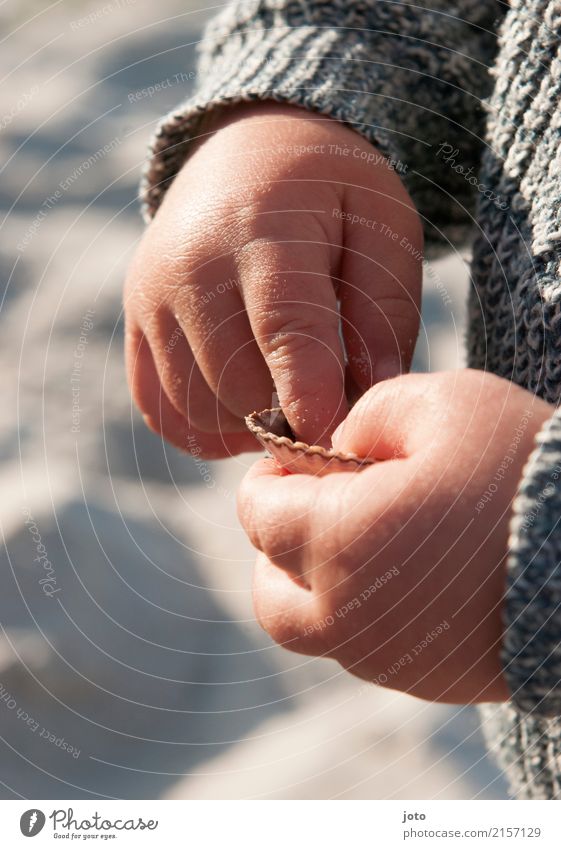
(145, 675)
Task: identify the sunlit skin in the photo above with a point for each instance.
(233, 292)
(261, 256)
(324, 541)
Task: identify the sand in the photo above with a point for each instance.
(130, 662)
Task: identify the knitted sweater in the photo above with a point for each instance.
(467, 93)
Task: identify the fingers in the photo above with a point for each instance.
(381, 272)
(182, 380)
(287, 612)
(284, 601)
(162, 417)
(279, 515)
(294, 316)
(389, 421)
(190, 309)
(213, 318)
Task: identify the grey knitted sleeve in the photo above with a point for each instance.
(409, 77)
(531, 654)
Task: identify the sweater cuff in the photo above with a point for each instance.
(531, 653)
(314, 68)
(409, 79)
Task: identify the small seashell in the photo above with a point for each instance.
(272, 430)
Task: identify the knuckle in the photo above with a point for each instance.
(401, 305)
(286, 335)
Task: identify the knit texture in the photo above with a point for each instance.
(428, 84)
(515, 331)
(406, 77)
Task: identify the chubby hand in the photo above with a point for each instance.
(398, 571)
(286, 257)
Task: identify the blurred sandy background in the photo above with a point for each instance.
(137, 670)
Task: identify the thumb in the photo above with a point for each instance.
(384, 423)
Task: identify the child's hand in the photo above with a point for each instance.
(363, 566)
(234, 289)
